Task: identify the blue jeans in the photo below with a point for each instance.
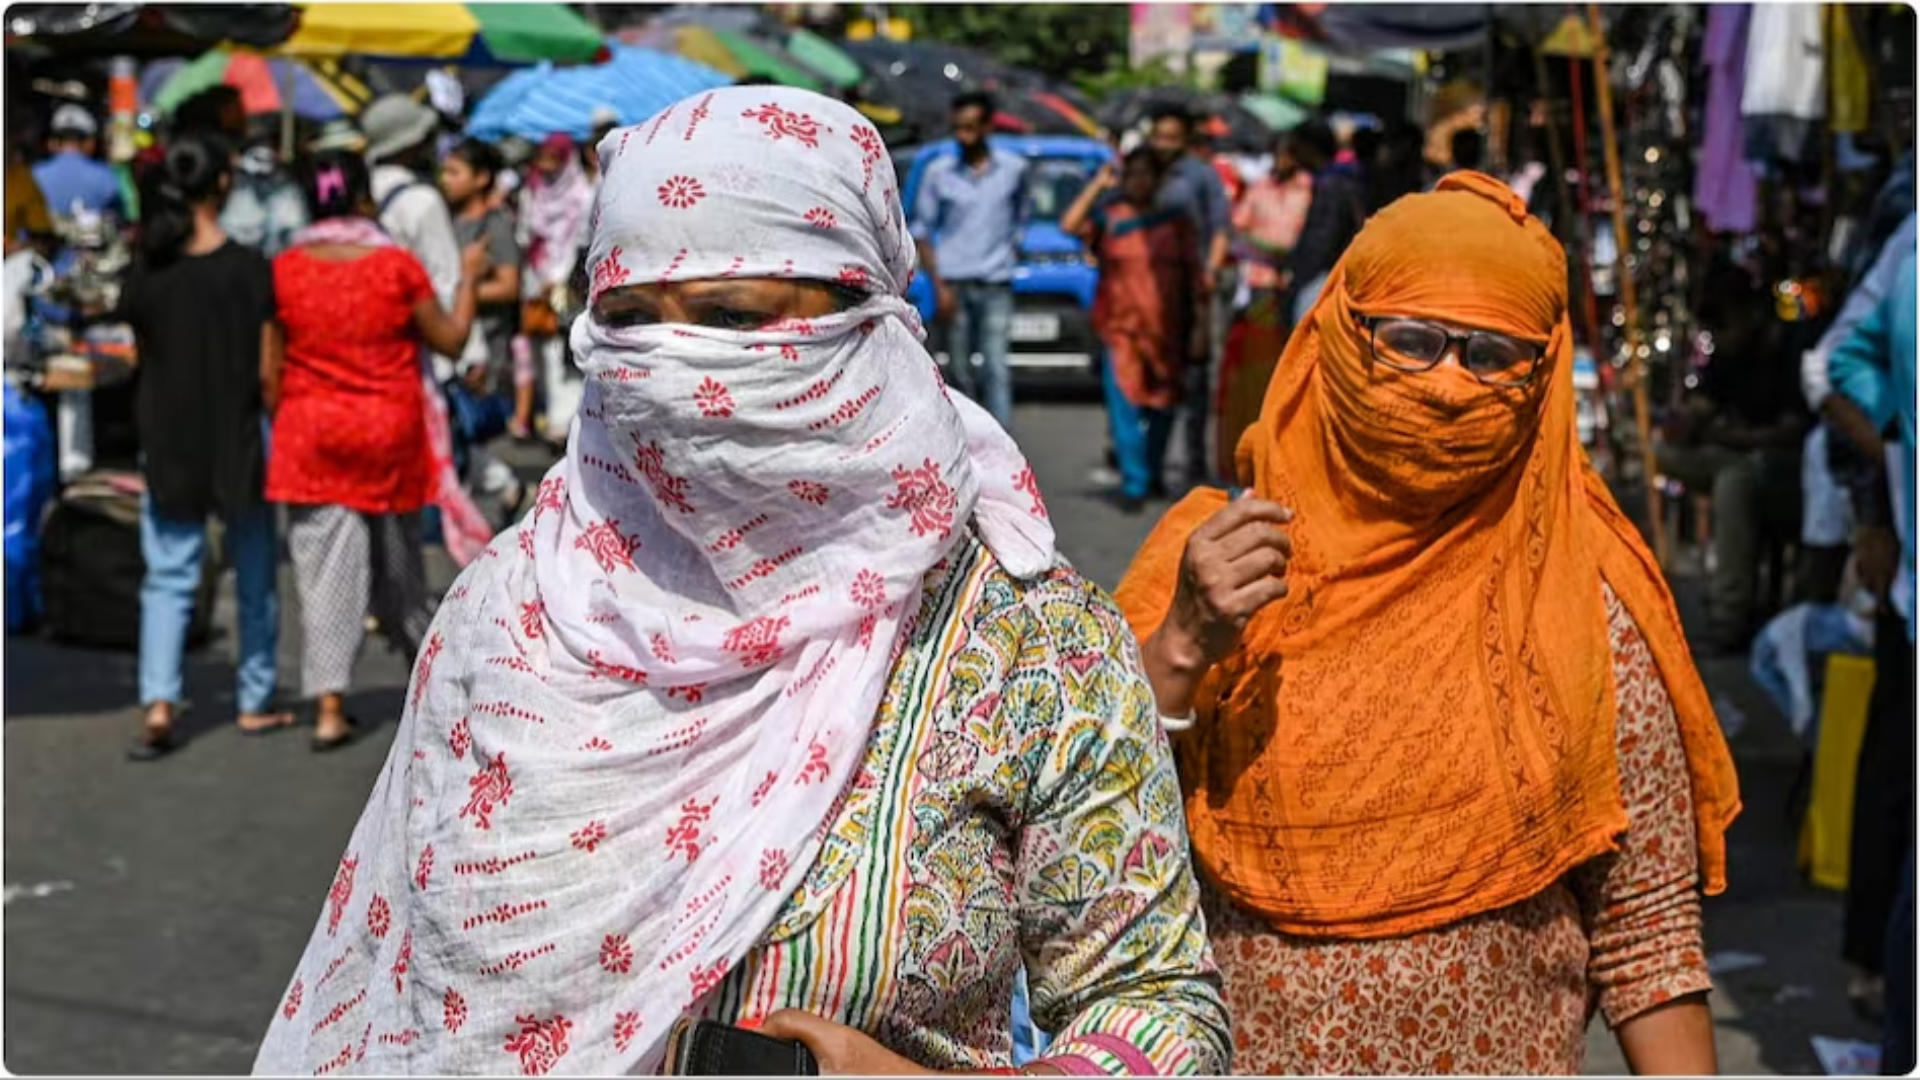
(982, 323)
(1029, 1042)
(1897, 1042)
(1140, 438)
(175, 551)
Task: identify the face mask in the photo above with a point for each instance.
(1423, 441)
(813, 431)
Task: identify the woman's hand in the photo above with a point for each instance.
(1235, 565)
(474, 262)
(840, 1050)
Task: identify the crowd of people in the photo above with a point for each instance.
(786, 633)
(377, 311)
(1207, 261)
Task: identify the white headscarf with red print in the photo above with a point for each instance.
(638, 716)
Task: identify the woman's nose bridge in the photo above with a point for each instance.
(672, 310)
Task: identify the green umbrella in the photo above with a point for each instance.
(765, 62)
(823, 56)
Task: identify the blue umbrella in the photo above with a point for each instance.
(635, 84)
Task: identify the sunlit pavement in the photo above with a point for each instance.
(153, 913)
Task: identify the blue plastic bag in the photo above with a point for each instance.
(29, 484)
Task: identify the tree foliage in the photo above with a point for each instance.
(1070, 42)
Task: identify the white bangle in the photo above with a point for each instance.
(1177, 723)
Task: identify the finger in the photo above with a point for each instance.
(1251, 599)
(801, 1027)
(1240, 511)
(1249, 537)
(1263, 562)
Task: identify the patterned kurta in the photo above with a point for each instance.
(1510, 991)
(1018, 803)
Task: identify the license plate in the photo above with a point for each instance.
(1033, 328)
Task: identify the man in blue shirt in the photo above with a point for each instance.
(1873, 374)
(72, 178)
(968, 218)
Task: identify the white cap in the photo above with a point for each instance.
(73, 119)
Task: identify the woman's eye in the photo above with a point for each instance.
(625, 318)
(735, 319)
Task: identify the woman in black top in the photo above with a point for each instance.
(200, 306)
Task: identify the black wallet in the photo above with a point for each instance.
(705, 1048)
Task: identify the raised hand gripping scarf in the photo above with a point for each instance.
(637, 716)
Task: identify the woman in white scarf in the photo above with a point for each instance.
(781, 706)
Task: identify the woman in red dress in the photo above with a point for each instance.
(350, 452)
(1150, 312)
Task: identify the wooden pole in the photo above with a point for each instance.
(1629, 308)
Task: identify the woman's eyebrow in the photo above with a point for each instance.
(630, 296)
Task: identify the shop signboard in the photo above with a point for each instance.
(1161, 32)
(1293, 69)
(1226, 27)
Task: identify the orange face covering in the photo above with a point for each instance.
(1444, 742)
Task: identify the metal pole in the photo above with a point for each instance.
(1636, 360)
(290, 82)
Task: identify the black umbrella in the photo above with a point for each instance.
(906, 79)
(921, 80)
(147, 29)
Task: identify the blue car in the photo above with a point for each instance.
(1054, 284)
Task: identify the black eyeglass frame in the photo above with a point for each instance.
(1371, 324)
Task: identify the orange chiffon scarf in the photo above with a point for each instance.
(1424, 729)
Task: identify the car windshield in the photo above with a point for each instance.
(1054, 182)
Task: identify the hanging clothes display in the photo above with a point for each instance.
(1723, 185)
(1783, 110)
(1847, 72)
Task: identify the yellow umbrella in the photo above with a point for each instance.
(473, 33)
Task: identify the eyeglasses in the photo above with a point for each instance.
(1414, 346)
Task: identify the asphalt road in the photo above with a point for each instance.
(153, 913)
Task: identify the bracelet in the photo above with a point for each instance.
(1177, 723)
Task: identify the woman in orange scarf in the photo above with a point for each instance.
(1491, 787)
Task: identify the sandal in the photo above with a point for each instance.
(326, 744)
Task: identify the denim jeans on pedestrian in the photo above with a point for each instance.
(175, 553)
(1029, 1042)
(982, 323)
(1897, 1041)
(1140, 437)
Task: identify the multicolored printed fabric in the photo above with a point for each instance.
(1016, 801)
